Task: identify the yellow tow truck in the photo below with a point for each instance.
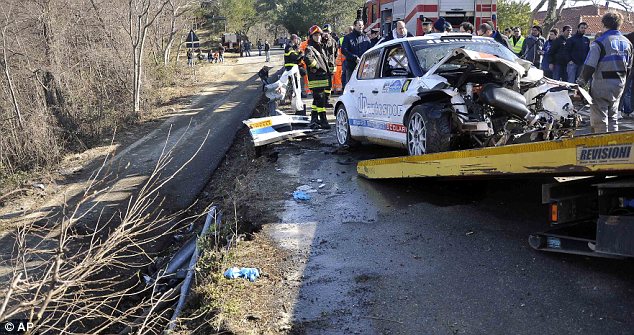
(590, 214)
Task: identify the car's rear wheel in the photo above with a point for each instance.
(428, 130)
(342, 126)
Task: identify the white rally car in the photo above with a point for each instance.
(443, 92)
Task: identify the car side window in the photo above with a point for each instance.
(395, 62)
(369, 64)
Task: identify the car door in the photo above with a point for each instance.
(389, 95)
(360, 87)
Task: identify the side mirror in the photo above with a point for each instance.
(398, 73)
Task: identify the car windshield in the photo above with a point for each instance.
(429, 52)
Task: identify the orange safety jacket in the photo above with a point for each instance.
(302, 47)
(337, 82)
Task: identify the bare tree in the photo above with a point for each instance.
(8, 18)
(175, 9)
(141, 14)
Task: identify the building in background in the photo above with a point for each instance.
(590, 14)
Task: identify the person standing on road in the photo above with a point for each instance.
(259, 45)
(517, 41)
(374, 36)
(344, 64)
(558, 57)
(294, 56)
(221, 53)
(330, 49)
(466, 27)
(577, 48)
(626, 106)
(440, 25)
(552, 35)
(609, 63)
(533, 47)
(427, 29)
(354, 45)
(190, 58)
(486, 30)
(318, 77)
(399, 32)
(267, 51)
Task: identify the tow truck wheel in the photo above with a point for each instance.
(428, 130)
(343, 127)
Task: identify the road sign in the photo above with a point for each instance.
(192, 40)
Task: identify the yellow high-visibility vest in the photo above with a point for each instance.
(517, 47)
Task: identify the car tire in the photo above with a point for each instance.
(342, 128)
(428, 130)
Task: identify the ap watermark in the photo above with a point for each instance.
(15, 326)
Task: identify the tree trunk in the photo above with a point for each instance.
(534, 13)
(137, 81)
(170, 40)
(14, 100)
(553, 14)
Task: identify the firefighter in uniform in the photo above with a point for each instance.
(294, 56)
(318, 77)
(608, 63)
(330, 48)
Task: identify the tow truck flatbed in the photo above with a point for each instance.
(609, 153)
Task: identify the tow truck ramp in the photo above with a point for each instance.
(609, 153)
(591, 215)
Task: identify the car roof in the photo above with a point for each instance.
(432, 36)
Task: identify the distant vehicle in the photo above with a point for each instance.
(444, 92)
(232, 41)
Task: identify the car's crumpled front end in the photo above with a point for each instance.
(497, 101)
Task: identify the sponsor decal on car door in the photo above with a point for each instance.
(360, 87)
(383, 107)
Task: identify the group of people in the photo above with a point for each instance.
(605, 63)
(316, 58)
(267, 49)
(213, 56)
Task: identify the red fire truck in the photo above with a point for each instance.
(382, 13)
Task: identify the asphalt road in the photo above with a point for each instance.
(433, 257)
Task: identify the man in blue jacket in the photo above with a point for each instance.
(608, 63)
(353, 47)
(577, 47)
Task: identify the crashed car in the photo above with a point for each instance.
(443, 92)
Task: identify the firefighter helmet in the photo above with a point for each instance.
(314, 30)
(327, 28)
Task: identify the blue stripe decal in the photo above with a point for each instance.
(262, 130)
(368, 124)
(611, 58)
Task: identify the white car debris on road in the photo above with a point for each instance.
(443, 92)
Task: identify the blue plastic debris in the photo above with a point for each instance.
(301, 195)
(248, 273)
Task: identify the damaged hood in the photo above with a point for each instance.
(483, 60)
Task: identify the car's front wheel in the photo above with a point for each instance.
(344, 138)
(428, 130)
